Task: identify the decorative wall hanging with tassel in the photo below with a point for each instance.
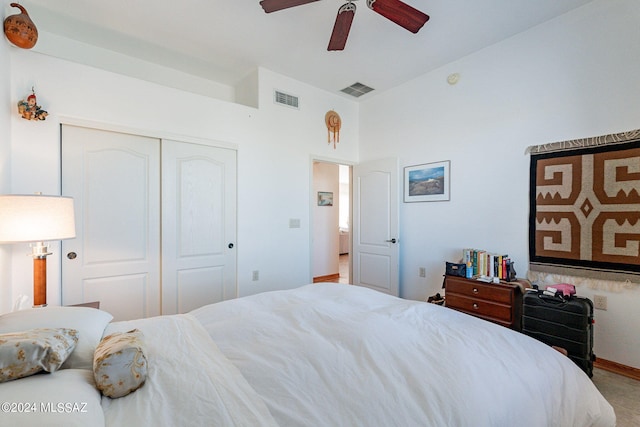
(334, 123)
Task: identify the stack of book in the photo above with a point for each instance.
(484, 263)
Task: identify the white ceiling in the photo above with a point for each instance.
(225, 40)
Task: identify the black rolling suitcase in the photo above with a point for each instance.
(567, 324)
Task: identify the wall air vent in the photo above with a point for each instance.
(285, 99)
(357, 90)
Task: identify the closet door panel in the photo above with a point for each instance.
(124, 296)
(114, 179)
(199, 225)
(194, 287)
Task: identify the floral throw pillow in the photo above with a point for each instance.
(35, 350)
(119, 363)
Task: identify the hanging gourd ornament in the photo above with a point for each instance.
(20, 29)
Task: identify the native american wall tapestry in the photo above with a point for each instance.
(585, 207)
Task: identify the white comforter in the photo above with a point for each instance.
(189, 382)
(340, 355)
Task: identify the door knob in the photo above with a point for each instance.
(391, 241)
(230, 245)
(72, 255)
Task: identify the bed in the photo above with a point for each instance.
(319, 355)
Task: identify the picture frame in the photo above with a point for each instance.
(428, 182)
(325, 198)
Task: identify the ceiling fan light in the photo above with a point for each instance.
(401, 13)
(342, 26)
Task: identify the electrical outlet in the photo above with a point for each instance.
(600, 302)
(255, 275)
(423, 272)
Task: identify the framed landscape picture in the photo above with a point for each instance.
(427, 183)
(325, 198)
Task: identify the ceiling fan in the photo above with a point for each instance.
(394, 10)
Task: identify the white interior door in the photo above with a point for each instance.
(115, 257)
(376, 225)
(199, 225)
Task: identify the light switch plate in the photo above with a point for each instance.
(294, 223)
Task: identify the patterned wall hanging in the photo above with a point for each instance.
(585, 203)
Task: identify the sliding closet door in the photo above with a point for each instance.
(198, 225)
(115, 257)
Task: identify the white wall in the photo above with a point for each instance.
(5, 152)
(325, 221)
(575, 76)
(274, 146)
(105, 59)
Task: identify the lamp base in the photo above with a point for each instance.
(39, 281)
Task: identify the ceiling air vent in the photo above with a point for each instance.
(357, 90)
(285, 99)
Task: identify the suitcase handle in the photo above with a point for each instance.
(555, 300)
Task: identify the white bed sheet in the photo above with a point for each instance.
(189, 381)
(341, 355)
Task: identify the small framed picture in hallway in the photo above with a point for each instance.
(325, 198)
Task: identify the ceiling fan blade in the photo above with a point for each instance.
(276, 5)
(400, 13)
(342, 26)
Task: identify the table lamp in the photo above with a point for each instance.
(37, 219)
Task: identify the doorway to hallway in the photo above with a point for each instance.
(331, 222)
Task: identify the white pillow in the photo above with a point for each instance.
(64, 398)
(89, 322)
(29, 352)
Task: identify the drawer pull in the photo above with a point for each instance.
(475, 290)
(475, 306)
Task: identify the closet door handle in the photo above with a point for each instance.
(391, 241)
(72, 255)
(230, 245)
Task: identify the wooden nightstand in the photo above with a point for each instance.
(93, 304)
(498, 303)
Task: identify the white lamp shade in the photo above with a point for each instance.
(36, 218)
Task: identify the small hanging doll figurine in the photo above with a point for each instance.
(29, 109)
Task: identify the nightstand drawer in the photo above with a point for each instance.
(482, 308)
(498, 303)
(475, 289)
